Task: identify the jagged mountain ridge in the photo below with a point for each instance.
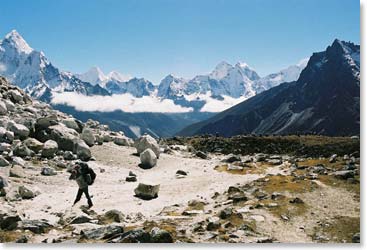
(324, 100)
(32, 71)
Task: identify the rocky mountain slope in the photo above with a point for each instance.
(194, 190)
(324, 100)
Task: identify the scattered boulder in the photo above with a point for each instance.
(20, 131)
(27, 193)
(15, 95)
(83, 218)
(17, 172)
(46, 171)
(50, 147)
(181, 172)
(147, 191)
(35, 226)
(123, 141)
(344, 174)
(33, 144)
(160, 236)
(145, 142)
(8, 219)
(232, 158)
(132, 236)
(3, 162)
(3, 108)
(102, 232)
(226, 213)
(82, 150)
(22, 150)
(72, 123)
(148, 158)
(69, 156)
(333, 158)
(296, 200)
(64, 136)
(3, 182)
(46, 122)
(201, 155)
(356, 238)
(131, 179)
(114, 216)
(88, 137)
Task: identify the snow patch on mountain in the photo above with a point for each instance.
(124, 102)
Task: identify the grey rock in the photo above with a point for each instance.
(27, 193)
(102, 232)
(333, 158)
(69, 156)
(46, 171)
(147, 191)
(19, 130)
(356, 238)
(15, 95)
(35, 226)
(133, 236)
(8, 220)
(64, 136)
(344, 174)
(114, 215)
(3, 162)
(226, 213)
(81, 149)
(131, 179)
(148, 158)
(33, 144)
(160, 236)
(145, 142)
(3, 108)
(22, 150)
(201, 155)
(88, 137)
(50, 147)
(72, 123)
(123, 141)
(17, 172)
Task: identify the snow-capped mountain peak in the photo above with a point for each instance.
(94, 76)
(117, 76)
(221, 70)
(16, 41)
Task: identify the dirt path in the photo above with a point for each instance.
(110, 190)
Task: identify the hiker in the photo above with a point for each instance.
(84, 177)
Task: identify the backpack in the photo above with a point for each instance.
(88, 174)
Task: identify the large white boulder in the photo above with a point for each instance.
(148, 158)
(146, 141)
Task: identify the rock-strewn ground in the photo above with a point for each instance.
(208, 191)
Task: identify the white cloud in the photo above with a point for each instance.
(2, 67)
(123, 102)
(215, 105)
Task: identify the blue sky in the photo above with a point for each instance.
(152, 38)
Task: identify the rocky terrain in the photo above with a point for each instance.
(199, 189)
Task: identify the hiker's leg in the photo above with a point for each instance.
(86, 192)
(78, 195)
